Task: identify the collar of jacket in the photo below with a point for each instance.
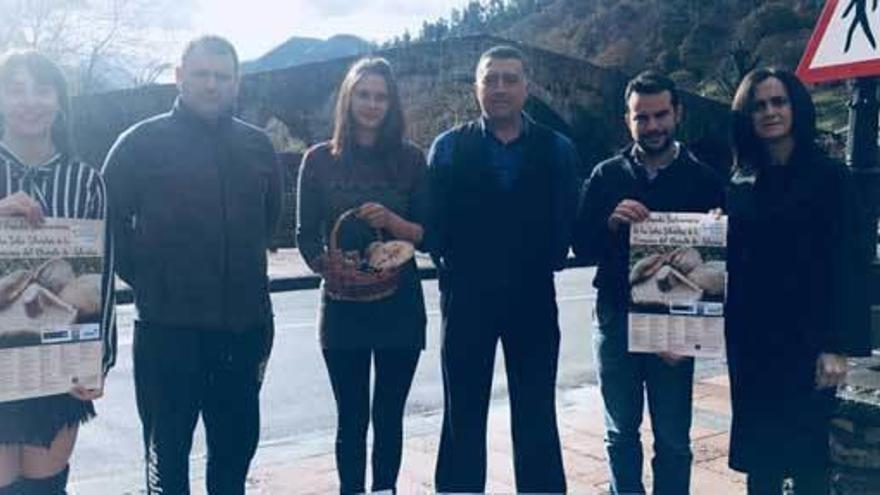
(183, 113)
(626, 154)
(18, 169)
(486, 126)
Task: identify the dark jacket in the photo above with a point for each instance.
(791, 263)
(498, 242)
(193, 207)
(328, 186)
(489, 236)
(685, 185)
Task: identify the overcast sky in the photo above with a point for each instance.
(256, 26)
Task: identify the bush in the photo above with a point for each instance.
(770, 19)
(667, 61)
(703, 48)
(685, 79)
(783, 50)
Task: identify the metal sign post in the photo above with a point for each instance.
(844, 46)
(864, 162)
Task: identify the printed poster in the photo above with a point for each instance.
(678, 280)
(50, 306)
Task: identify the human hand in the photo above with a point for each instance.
(830, 370)
(671, 358)
(627, 211)
(21, 205)
(377, 215)
(716, 213)
(82, 393)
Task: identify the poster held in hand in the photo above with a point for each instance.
(50, 306)
(678, 284)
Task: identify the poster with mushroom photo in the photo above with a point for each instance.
(50, 306)
(678, 283)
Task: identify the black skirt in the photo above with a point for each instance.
(37, 421)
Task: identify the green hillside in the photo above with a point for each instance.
(705, 45)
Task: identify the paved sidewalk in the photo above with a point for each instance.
(309, 468)
(307, 465)
(287, 263)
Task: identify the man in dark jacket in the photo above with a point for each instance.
(655, 173)
(503, 196)
(194, 200)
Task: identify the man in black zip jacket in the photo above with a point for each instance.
(503, 195)
(194, 200)
(655, 173)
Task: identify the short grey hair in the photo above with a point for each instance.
(502, 52)
(213, 44)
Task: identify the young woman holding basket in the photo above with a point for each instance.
(364, 186)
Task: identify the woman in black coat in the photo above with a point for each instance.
(790, 257)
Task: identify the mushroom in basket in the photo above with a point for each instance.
(373, 275)
(387, 255)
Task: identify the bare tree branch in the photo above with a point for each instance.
(96, 41)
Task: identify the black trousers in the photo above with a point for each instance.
(350, 377)
(182, 373)
(525, 323)
(806, 482)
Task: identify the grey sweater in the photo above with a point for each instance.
(327, 187)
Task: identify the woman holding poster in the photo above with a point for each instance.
(40, 179)
(789, 260)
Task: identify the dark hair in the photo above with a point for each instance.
(44, 71)
(651, 82)
(392, 131)
(748, 149)
(216, 45)
(502, 52)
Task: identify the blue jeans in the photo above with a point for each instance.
(623, 380)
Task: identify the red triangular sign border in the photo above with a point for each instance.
(832, 72)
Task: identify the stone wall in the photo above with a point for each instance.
(855, 432)
(286, 234)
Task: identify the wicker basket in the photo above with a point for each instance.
(345, 277)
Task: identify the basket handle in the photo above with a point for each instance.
(334, 234)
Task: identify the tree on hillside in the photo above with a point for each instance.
(770, 18)
(691, 38)
(472, 18)
(434, 31)
(480, 16)
(698, 50)
(739, 62)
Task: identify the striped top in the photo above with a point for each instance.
(68, 188)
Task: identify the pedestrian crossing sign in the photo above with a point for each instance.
(845, 43)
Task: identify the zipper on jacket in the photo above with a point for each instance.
(221, 160)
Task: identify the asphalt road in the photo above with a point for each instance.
(297, 403)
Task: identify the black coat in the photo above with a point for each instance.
(685, 185)
(193, 208)
(497, 248)
(790, 265)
